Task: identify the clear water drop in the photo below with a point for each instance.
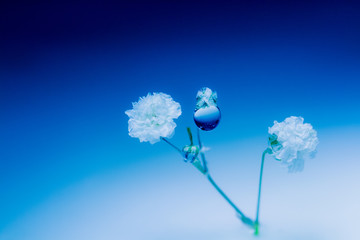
(207, 118)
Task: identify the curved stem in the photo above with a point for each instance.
(243, 218)
(203, 169)
(259, 192)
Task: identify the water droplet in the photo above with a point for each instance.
(207, 118)
(190, 153)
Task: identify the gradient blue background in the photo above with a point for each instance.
(68, 71)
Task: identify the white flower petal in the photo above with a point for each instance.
(294, 142)
(153, 117)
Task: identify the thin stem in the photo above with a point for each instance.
(259, 193)
(224, 196)
(190, 136)
(242, 216)
(176, 148)
(202, 168)
(203, 160)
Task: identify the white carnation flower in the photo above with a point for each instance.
(153, 117)
(292, 141)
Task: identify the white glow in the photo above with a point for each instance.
(174, 201)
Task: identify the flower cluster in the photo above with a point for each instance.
(291, 141)
(152, 117)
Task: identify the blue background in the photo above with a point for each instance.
(69, 71)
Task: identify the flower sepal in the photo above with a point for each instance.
(190, 153)
(197, 163)
(274, 144)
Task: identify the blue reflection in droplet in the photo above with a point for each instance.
(207, 118)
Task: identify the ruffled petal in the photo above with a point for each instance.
(153, 117)
(292, 141)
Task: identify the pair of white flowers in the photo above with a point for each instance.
(152, 118)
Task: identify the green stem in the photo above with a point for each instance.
(211, 180)
(205, 171)
(256, 226)
(201, 166)
(190, 136)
